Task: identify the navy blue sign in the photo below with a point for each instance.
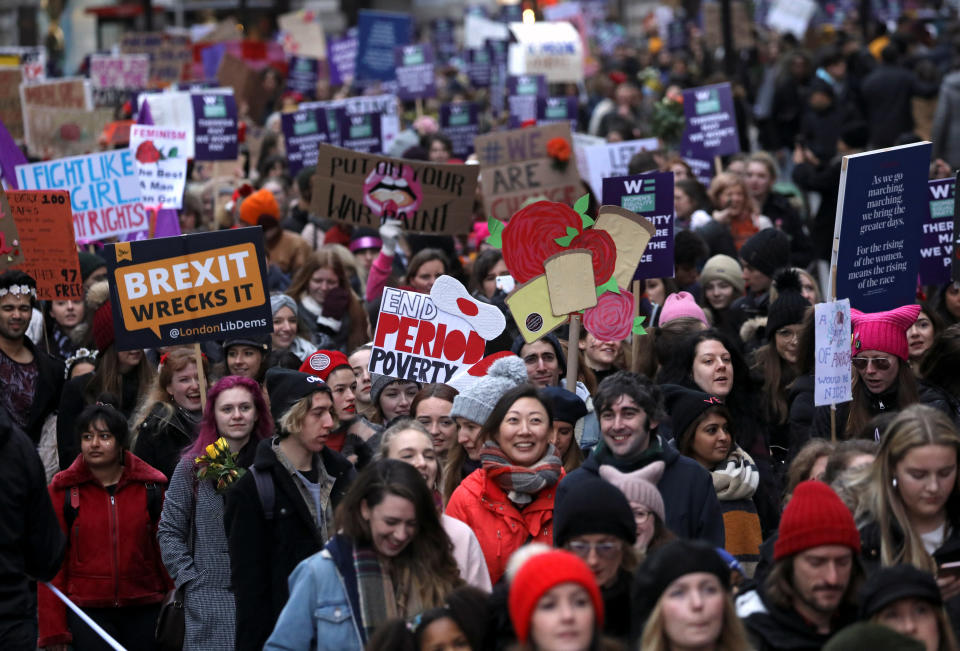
(360, 132)
(303, 131)
(558, 109)
(711, 123)
(415, 72)
(460, 121)
(936, 243)
(651, 196)
(302, 76)
(380, 33)
(215, 126)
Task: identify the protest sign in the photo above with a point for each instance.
(460, 121)
(169, 54)
(415, 72)
(114, 77)
(791, 16)
(550, 49)
(605, 160)
(246, 84)
(384, 105)
(11, 112)
(711, 122)
(360, 132)
(479, 67)
(651, 196)
(516, 166)
(58, 132)
(428, 338)
(173, 110)
(104, 196)
(160, 164)
(68, 93)
(711, 20)
(833, 374)
(180, 290)
(379, 33)
(11, 252)
(365, 189)
(478, 29)
(303, 75)
(46, 238)
(303, 131)
(32, 60)
(558, 109)
(876, 259)
(302, 34)
(522, 94)
(215, 126)
(342, 55)
(937, 241)
(955, 267)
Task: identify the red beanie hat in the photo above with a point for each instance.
(883, 331)
(324, 362)
(815, 516)
(261, 202)
(103, 327)
(540, 574)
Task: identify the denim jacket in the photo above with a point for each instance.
(318, 614)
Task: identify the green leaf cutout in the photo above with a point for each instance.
(496, 232)
(568, 238)
(580, 206)
(638, 325)
(609, 286)
(172, 153)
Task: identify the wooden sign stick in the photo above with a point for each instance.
(635, 352)
(573, 349)
(201, 376)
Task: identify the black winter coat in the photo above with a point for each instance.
(878, 404)
(46, 393)
(780, 211)
(31, 542)
(773, 629)
(824, 179)
(800, 400)
(264, 552)
(161, 441)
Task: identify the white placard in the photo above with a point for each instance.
(833, 381)
(598, 162)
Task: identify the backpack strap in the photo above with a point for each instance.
(154, 505)
(71, 506)
(265, 490)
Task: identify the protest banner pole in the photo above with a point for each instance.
(86, 619)
(573, 347)
(154, 215)
(419, 103)
(833, 297)
(635, 352)
(201, 376)
(717, 164)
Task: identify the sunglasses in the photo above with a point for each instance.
(879, 363)
(603, 549)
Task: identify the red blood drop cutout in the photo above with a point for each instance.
(467, 307)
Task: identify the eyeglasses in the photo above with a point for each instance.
(641, 516)
(787, 334)
(879, 363)
(603, 549)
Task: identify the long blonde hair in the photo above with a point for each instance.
(916, 426)
(733, 637)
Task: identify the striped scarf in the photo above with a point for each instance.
(520, 483)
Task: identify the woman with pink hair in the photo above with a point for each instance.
(193, 541)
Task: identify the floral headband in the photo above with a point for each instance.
(18, 290)
(81, 355)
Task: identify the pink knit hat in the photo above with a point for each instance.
(883, 331)
(681, 304)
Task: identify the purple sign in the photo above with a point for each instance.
(460, 121)
(558, 109)
(936, 243)
(415, 72)
(342, 55)
(302, 131)
(649, 195)
(498, 76)
(479, 67)
(303, 75)
(711, 123)
(380, 33)
(522, 94)
(215, 126)
(360, 132)
(442, 32)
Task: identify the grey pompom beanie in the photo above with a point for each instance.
(477, 401)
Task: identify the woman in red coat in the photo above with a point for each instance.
(108, 501)
(508, 502)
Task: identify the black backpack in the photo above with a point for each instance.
(71, 503)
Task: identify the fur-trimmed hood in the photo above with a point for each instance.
(753, 328)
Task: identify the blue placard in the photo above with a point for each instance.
(651, 196)
(882, 208)
(379, 34)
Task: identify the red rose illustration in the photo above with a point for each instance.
(528, 238)
(147, 152)
(604, 253)
(611, 319)
(70, 132)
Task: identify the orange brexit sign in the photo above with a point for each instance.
(214, 288)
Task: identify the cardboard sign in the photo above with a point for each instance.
(365, 189)
(554, 50)
(113, 77)
(522, 94)
(379, 34)
(880, 208)
(180, 290)
(415, 72)
(11, 111)
(651, 196)
(606, 160)
(791, 16)
(342, 55)
(104, 195)
(833, 374)
(247, 88)
(558, 109)
(58, 132)
(302, 35)
(460, 121)
(215, 126)
(415, 340)
(303, 132)
(303, 75)
(937, 242)
(72, 93)
(516, 167)
(49, 247)
(11, 253)
(160, 164)
(711, 122)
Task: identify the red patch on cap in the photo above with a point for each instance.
(468, 307)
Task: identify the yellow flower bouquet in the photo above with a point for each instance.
(219, 465)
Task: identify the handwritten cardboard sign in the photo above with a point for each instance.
(180, 290)
(71, 93)
(365, 189)
(104, 195)
(11, 253)
(302, 35)
(57, 132)
(161, 164)
(113, 77)
(516, 167)
(833, 376)
(45, 225)
(11, 112)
